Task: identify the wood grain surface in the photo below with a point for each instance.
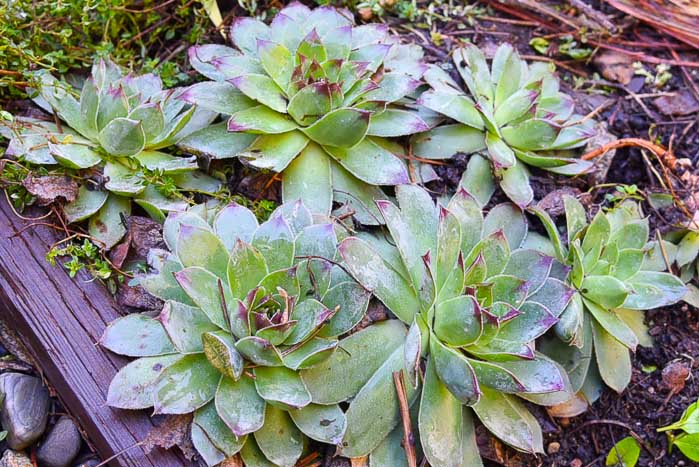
(60, 320)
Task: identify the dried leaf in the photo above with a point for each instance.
(50, 188)
(553, 201)
(675, 376)
(136, 297)
(118, 254)
(145, 234)
(680, 103)
(234, 461)
(174, 431)
(615, 66)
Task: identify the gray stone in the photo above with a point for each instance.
(61, 445)
(11, 458)
(25, 409)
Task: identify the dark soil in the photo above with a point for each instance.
(645, 405)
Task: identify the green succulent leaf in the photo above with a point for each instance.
(324, 423)
(185, 385)
(651, 289)
(613, 359)
(107, 226)
(509, 420)
(122, 180)
(309, 177)
(74, 156)
(440, 421)
(281, 387)
(205, 290)
(218, 433)
(455, 371)
(342, 128)
(219, 348)
(239, 405)
(253, 456)
(342, 375)
(259, 351)
(458, 107)
(216, 141)
(186, 326)
(260, 119)
(123, 137)
(396, 122)
(279, 439)
(87, 203)
(262, 89)
(376, 275)
(374, 411)
(134, 385)
(371, 163)
(233, 223)
(457, 322)
(445, 141)
(477, 180)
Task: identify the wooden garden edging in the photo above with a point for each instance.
(61, 319)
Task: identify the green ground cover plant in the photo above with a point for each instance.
(109, 135)
(474, 300)
(315, 98)
(247, 307)
(62, 36)
(617, 274)
(511, 112)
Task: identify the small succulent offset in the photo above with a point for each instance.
(314, 98)
(511, 112)
(475, 301)
(617, 274)
(684, 253)
(113, 131)
(246, 308)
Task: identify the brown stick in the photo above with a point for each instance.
(664, 154)
(399, 381)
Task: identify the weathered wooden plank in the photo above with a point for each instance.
(61, 320)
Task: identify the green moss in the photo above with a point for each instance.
(61, 35)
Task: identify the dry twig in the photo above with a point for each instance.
(408, 446)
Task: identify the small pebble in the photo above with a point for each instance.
(675, 375)
(61, 445)
(553, 447)
(15, 459)
(88, 463)
(25, 409)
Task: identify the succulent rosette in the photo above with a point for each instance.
(113, 131)
(681, 247)
(512, 112)
(618, 274)
(247, 307)
(475, 300)
(315, 98)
